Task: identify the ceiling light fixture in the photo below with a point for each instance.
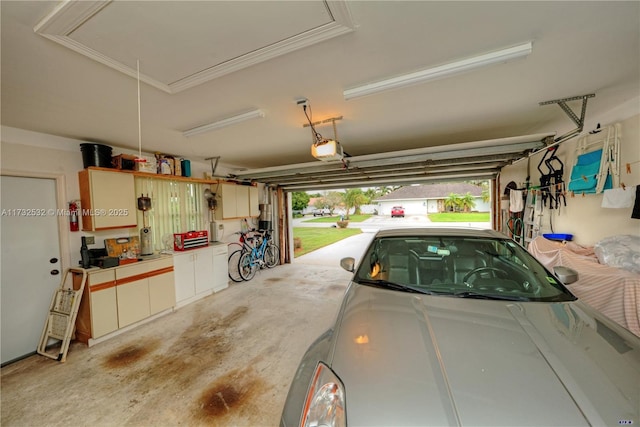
(441, 71)
(253, 114)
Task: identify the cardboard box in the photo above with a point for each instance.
(150, 166)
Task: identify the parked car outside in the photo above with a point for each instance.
(397, 211)
(463, 327)
(321, 212)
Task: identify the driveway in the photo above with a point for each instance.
(353, 246)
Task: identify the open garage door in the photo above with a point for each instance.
(480, 160)
(454, 162)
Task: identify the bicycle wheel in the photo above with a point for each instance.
(272, 256)
(234, 262)
(246, 267)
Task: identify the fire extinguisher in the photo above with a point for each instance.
(73, 217)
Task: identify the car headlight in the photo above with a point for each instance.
(324, 405)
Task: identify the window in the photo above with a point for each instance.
(176, 207)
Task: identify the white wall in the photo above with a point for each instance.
(583, 216)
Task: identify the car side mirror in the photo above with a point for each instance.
(566, 275)
(348, 264)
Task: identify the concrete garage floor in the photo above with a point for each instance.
(227, 359)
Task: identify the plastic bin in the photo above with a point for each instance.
(96, 155)
(558, 236)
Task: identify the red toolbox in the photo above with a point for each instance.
(190, 240)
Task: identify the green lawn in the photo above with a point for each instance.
(352, 218)
(315, 238)
(460, 217)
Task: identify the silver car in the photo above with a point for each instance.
(464, 327)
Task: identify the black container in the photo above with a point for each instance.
(264, 225)
(84, 254)
(96, 155)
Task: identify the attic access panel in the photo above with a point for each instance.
(453, 162)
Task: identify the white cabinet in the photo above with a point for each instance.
(193, 274)
(254, 207)
(104, 314)
(237, 201)
(162, 295)
(98, 312)
(220, 267)
(200, 272)
(123, 295)
(107, 200)
(133, 302)
(132, 294)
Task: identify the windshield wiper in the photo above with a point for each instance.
(392, 285)
(477, 295)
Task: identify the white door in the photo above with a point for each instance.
(29, 253)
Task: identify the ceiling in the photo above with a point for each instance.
(70, 69)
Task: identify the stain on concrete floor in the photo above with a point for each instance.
(225, 360)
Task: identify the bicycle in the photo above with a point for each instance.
(264, 253)
(240, 247)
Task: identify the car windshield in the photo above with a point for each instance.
(464, 267)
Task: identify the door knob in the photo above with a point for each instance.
(54, 272)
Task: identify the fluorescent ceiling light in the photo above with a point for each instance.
(254, 114)
(441, 71)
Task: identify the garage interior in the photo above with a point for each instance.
(414, 92)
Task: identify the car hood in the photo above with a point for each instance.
(410, 359)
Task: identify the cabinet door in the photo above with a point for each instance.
(183, 269)
(204, 270)
(108, 200)
(220, 269)
(227, 201)
(133, 302)
(104, 312)
(162, 294)
(114, 198)
(254, 206)
(242, 201)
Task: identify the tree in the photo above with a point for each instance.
(354, 198)
(486, 195)
(452, 203)
(467, 202)
(299, 200)
(331, 201)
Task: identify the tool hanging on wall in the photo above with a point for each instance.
(552, 184)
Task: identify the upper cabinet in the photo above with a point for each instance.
(107, 200)
(236, 201)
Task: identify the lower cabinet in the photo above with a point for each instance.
(161, 292)
(120, 296)
(193, 274)
(104, 311)
(98, 312)
(133, 302)
(200, 272)
(220, 267)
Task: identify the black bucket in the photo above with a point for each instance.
(96, 155)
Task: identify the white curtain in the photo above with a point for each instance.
(176, 207)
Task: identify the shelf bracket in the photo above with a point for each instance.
(579, 121)
(213, 165)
